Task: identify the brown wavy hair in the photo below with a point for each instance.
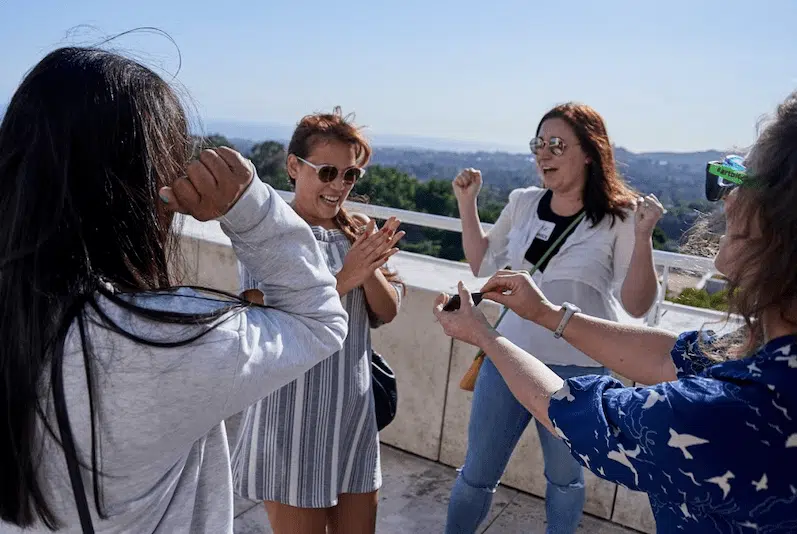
(769, 280)
(321, 127)
(605, 191)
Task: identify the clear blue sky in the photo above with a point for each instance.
(673, 75)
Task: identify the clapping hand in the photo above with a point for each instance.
(368, 253)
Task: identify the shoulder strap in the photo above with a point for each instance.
(67, 441)
(548, 252)
(562, 237)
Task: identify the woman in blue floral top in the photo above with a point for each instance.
(730, 469)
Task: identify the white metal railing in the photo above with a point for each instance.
(663, 259)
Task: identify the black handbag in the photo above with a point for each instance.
(383, 384)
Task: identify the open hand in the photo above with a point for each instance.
(518, 292)
(467, 323)
(369, 252)
(212, 185)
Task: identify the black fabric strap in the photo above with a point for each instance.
(67, 440)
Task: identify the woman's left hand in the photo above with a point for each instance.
(648, 212)
(467, 324)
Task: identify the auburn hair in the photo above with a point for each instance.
(323, 127)
(605, 191)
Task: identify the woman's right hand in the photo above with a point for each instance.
(467, 185)
(518, 292)
(467, 323)
(212, 185)
(368, 253)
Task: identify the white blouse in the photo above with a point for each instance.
(588, 271)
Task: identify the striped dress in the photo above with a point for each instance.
(315, 438)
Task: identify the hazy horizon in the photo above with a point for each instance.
(259, 131)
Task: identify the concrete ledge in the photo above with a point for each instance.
(632, 509)
(420, 356)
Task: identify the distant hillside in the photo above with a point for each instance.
(282, 132)
(677, 179)
(685, 158)
(673, 177)
(242, 131)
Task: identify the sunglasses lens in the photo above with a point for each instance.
(713, 189)
(557, 146)
(536, 145)
(352, 175)
(716, 187)
(327, 173)
(722, 177)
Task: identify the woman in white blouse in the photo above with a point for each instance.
(589, 236)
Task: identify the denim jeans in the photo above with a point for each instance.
(497, 421)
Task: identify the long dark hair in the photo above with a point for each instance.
(320, 127)
(605, 192)
(86, 143)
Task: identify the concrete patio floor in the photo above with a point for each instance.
(414, 498)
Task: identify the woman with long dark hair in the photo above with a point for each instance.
(588, 237)
(115, 383)
(731, 469)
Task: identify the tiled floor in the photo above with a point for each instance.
(414, 497)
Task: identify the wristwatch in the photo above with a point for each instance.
(570, 310)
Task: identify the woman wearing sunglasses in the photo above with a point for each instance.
(587, 246)
(311, 449)
(730, 469)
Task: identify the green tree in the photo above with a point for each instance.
(437, 197)
(269, 160)
(427, 248)
(211, 141)
(659, 239)
(385, 186)
(699, 298)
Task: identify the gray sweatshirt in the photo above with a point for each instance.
(164, 452)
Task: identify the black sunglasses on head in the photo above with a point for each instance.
(724, 176)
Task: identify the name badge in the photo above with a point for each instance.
(545, 231)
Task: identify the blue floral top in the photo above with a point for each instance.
(731, 469)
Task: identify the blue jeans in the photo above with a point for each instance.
(497, 421)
